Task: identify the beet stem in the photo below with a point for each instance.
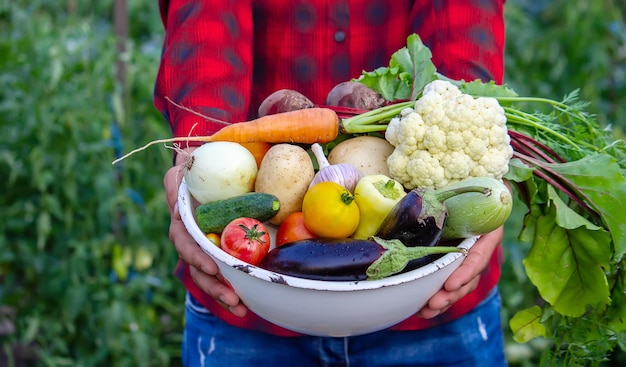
(529, 149)
(345, 111)
(517, 136)
(558, 181)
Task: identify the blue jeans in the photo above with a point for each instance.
(473, 340)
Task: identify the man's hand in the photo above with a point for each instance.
(203, 269)
(465, 279)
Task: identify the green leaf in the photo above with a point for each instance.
(527, 234)
(616, 313)
(526, 325)
(417, 62)
(409, 70)
(387, 82)
(566, 260)
(600, 178)
(518, 171)
(527, 190)
(478, 88)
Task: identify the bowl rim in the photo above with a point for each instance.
(185, 202)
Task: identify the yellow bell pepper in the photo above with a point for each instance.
(375, 195)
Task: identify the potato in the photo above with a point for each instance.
(286, 172)
(367, 153)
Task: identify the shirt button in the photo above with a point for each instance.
(340, 36)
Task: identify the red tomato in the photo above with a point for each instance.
(246, 239)
(293, 229)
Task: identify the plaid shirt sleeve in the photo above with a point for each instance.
(206, 63)
(222, 58)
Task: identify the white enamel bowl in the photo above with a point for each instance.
(324, 308)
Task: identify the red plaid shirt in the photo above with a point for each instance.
(222, 58)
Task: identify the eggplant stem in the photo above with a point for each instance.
(397, 256)
(445, 194)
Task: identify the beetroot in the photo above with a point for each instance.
(284, 100)
(355, 95)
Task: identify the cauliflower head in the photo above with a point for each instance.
(448, 136)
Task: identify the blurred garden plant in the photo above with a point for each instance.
(85, 260)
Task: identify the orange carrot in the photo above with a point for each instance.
(306, 126)
(258, 150)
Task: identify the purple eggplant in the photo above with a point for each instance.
(419, 217)
(346, 259)
(413, 221)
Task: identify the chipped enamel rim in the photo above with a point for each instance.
(185, 207)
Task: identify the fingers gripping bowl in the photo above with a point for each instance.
(325, 308)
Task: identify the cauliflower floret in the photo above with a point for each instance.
(447, 137)
(391, 133)
(434, 139)
(429, 107)
(458, 165)
(455, 141)
(406, 133)
(496, 164)
(499, 136)
(397, 161)
(424, 162)
(476, 149)
(443, 88)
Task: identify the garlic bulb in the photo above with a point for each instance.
(344, 174)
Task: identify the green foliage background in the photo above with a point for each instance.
(553, 48)
(85, 259)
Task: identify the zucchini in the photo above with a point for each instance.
(212, 217)
(472, 214)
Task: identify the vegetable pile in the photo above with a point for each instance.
(332, 221)
(433, 156)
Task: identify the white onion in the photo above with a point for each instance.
(220, 170)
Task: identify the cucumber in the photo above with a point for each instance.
(472, 214)
(212, 217)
